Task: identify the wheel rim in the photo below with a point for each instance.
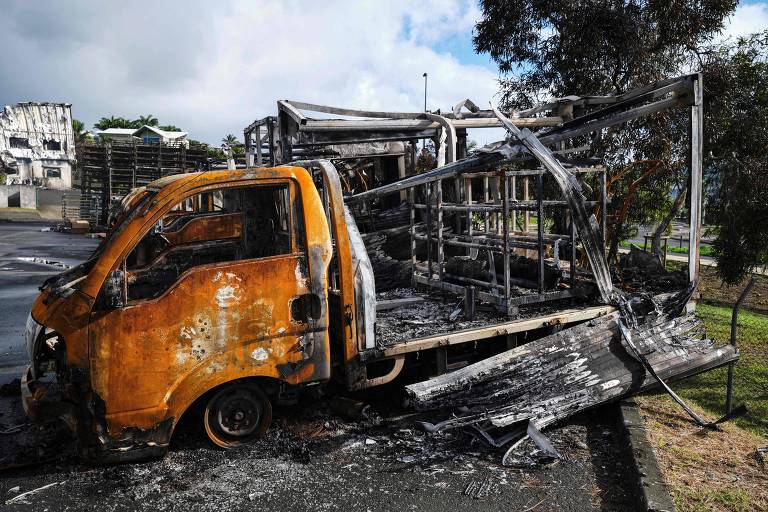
(236, 415)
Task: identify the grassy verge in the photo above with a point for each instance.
(709, 470)
(751, 372)
(705, 470)
(704, 250)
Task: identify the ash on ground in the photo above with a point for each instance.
(313, 459)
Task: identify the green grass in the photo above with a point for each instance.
(750, 375)
(704, 250)
(706, 500)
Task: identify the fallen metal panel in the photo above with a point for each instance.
(559, 375)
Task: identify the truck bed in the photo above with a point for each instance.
(423, 322)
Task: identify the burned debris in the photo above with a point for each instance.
(345, 264)
(575, 369)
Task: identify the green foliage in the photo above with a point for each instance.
(592, 46)
(148, 120)
(704, 250)
(736, 500)
(78, 128)
(553, 48)
(426, 160)
(216, 153)
(230, 140)
(736, 163)
(113, 122)
(120, 122)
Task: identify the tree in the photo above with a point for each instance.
(148, 120)
(230, 140)
(548, 48)
(170, 128)
(426, 159)
(78, 128)
(113, 122)
(736, 160)
(591, 46)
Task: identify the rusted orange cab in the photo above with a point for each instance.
(209, 286)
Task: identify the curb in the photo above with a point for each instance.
(650, 483)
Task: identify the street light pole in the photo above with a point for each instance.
(424, 142)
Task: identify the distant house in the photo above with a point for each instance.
(146, 134)
(37, 145)
(117, 133)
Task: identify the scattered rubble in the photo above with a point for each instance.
(642, 270)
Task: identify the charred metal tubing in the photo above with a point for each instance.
(540, 227)
(734, 320)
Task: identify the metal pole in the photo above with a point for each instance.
(734, 319)
(429, 230)
(423, 141)
(412, 230)
(603, 208)
(696, 149)
(505, 233)
(540, 227)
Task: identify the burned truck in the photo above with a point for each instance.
(232, 289)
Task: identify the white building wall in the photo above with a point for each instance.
(28, 134)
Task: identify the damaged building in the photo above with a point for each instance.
(37, 145)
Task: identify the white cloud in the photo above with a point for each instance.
(746, 20)
(211, 68)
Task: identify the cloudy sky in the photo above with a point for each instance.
(213, 67)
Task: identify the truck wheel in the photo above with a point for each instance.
(237, 414)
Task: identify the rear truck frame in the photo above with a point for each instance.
(232, 289)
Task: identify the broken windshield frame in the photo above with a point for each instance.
(132, 206)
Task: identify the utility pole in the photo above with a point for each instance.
(424, 142)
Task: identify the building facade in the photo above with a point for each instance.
(37, 144)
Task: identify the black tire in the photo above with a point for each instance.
(236, 414)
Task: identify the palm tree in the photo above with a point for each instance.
(148, 120)
(230, 140)
(112, 122)
(170, 128)
(78, 128)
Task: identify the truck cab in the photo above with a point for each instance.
(210, 286)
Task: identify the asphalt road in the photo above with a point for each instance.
(311, 459)
(28, 256)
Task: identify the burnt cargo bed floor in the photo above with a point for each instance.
(431, 316)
